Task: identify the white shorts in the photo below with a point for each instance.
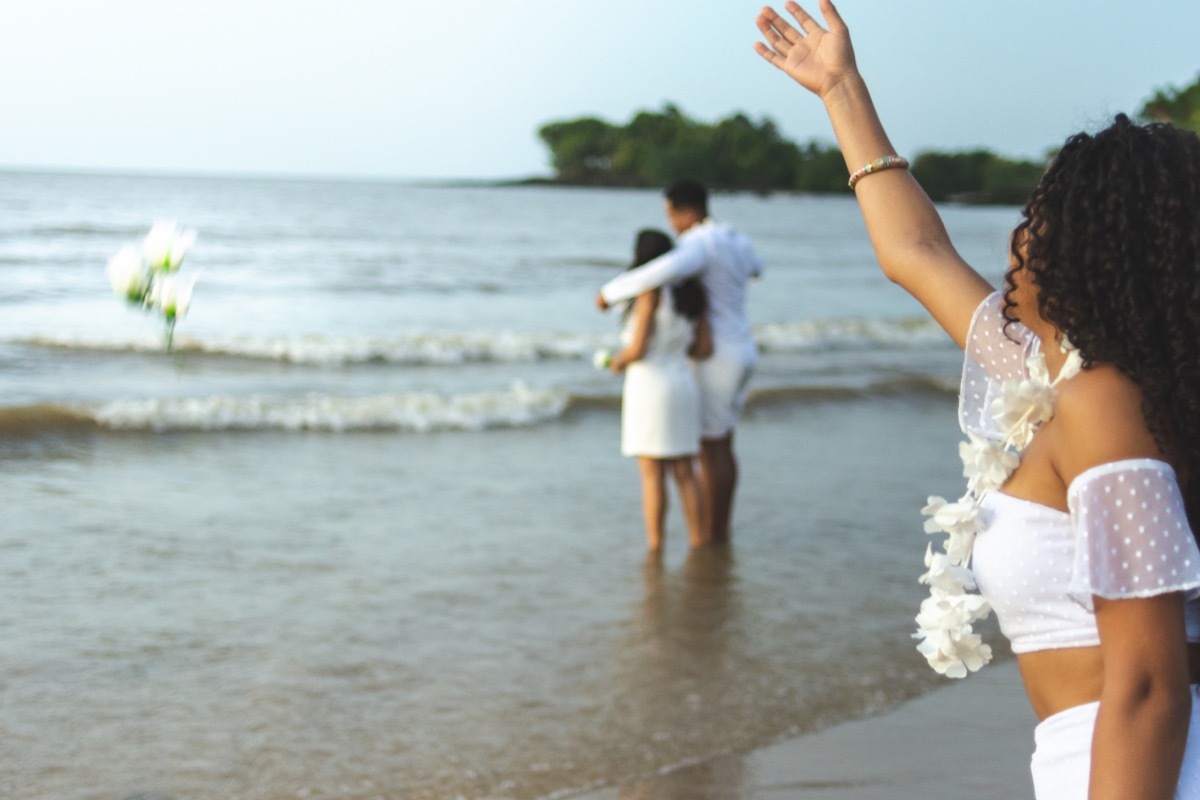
(1061, 763)
(723, 380)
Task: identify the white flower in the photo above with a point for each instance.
(958, 547)
(960, 516)
(943, 574)
(602, 359)
(165, 245)
(128, 275)
(1072, 366)
(954, 654)
(1024, 405)
(171, 295)
(944, 610)
(986, 464)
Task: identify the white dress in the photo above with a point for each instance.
(660, 404)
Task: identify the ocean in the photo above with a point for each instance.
(364, 532)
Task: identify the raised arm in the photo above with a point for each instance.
(683, 261)
(909, 238)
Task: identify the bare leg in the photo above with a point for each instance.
(689, 500)
(718, 475)
(654, 499)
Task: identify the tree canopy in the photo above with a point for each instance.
(976, 176)
(656, 148)
(1180, 107)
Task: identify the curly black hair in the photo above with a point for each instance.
(1111, 239)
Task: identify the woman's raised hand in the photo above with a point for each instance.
(815, 58)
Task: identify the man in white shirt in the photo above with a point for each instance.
(725, 261)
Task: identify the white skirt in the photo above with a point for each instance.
(660, 409)
(1061, 763)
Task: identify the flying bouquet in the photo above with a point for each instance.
(148, 276)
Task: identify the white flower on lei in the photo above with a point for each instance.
(960, 520)
(1025, 404)
(955, 653)
(958, 547)
(948, 642)
(944, 610)
(986, 464)
(959, 517)
(945, 575)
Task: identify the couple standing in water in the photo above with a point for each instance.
(688, 353)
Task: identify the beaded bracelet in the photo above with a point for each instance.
(879, 165)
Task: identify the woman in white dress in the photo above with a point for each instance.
(1081, 399)
(660, 402)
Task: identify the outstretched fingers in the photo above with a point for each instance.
(832, 18)
(778, 33)
(814, 57)
(806, 22)
(769, 54)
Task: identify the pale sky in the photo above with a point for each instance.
(427, 89)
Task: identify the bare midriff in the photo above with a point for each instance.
(1056, 680)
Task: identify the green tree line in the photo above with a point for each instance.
(738, 153)
(1180, 107)
(658, 147)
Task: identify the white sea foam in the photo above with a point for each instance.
(322, 350)
(848, 333)
(452, 349)
(518, 406)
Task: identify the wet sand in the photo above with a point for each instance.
(969, 739)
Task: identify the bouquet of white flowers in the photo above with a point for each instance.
(148, 276)
(602, 359)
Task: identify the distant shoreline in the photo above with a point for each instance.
(980, 198)
(534, 181)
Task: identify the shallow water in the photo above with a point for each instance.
(403, 558)
(273, 615)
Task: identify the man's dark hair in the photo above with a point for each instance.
(688, 195)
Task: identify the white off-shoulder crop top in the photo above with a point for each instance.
(1126, 533)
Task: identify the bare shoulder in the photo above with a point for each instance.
(1098, 418)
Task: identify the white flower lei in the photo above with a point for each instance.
(947, 639)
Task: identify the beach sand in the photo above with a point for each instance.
(970, 739)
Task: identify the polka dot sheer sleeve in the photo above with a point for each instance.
(1132, 533)
(993, 354)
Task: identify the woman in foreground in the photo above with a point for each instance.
(1081, 398)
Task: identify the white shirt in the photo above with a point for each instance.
(725, 261)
